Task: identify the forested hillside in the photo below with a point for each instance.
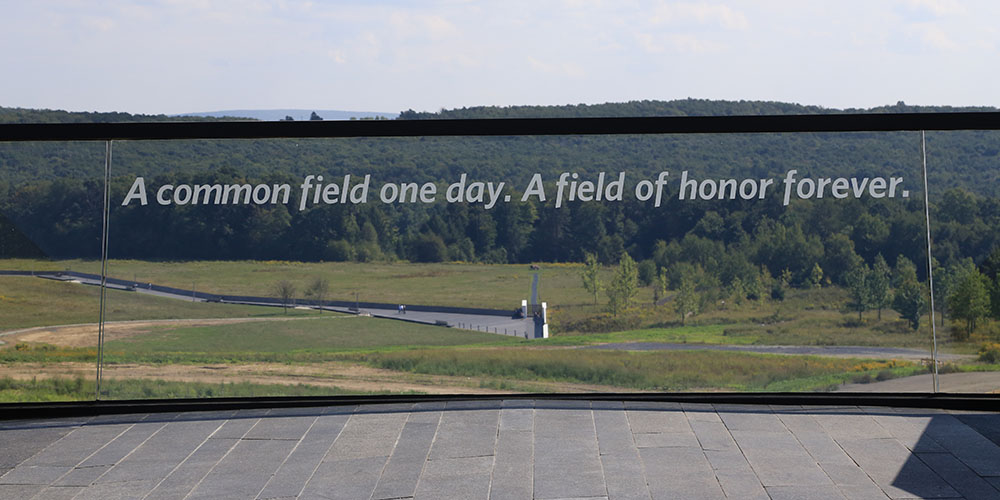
(51, 196)
(27, 115)
(682, 107)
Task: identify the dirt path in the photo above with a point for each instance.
(85, 334)
(347, 377)
(342, 375)
(972, 382)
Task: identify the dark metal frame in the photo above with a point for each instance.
(888, 122)
(840, 122)
(973, 402)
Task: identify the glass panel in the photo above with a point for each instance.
(770, 263)
(226, 290)
(51, 201)
(965, 217)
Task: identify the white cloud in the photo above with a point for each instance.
(412, 25)
(337, 55)
(560, 69)
(702, 13)
(939, 7)
(102, 24)
(675, 42)
(935, 37)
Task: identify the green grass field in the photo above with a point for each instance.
(818, 316)
(410, 351)
(79, 389)
(659, 371)
(806, 317)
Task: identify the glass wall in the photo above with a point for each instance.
(51, 214)
(456, 265)
(965, 217)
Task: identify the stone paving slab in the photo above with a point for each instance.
(402, 471)
(186, 476)
(741, 484)
(302, 462)
(512, 467)
(19, 490)
(244, 471)
(960, 477)
(77, 446)
(895, 469)
(60, 492)
(624, 477)
(18, 445)
(508, 449)
(348, 479)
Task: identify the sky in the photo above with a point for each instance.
(178, 56)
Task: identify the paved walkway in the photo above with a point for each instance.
(508, 450)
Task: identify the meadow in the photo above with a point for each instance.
(79, 389)
(357, 344)
(813, 316)
(817, 316)
(452, 370)
(365, 352)
(648, 371)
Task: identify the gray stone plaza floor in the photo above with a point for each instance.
(511, 449)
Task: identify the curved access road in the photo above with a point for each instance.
(483, 320)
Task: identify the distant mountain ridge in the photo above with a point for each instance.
(29, 115)
(678, 107)
(297, 114)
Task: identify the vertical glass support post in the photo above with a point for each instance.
(930, 267)
(104, 266)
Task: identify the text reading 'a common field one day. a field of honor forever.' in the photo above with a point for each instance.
(316, 190)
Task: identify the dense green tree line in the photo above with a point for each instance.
(680, 107)
(63, 218)
(50, 202)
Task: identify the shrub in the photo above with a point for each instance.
(428, 248)
(948, 368)
(604, 323)
(339, 251)
(990, 353)
(647, 272)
